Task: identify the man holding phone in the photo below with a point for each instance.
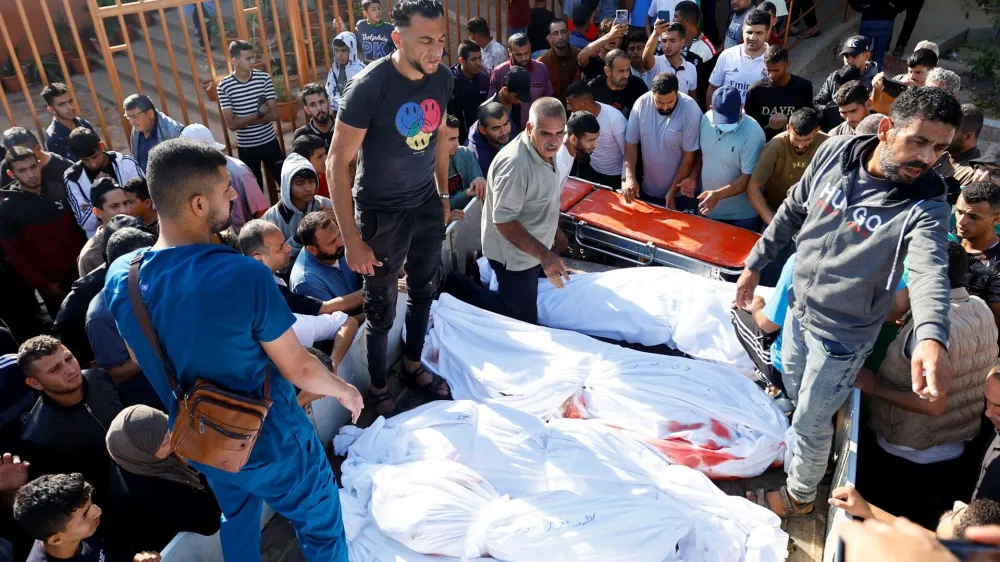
(659, 10)
(249, 106)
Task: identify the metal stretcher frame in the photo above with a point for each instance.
(621, 247)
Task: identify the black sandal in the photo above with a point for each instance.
(376, 398)
(431, 390)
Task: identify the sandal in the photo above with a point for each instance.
(790, 506)
(431, 390)
(376, 398)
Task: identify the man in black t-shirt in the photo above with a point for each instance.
(618, 88)
(772, 100)
(317, 105)
(393, 111)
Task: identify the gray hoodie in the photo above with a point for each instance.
(353, 66)
(284, 213)
(850, 256)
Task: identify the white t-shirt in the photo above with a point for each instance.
(564, 164)
(658, 5)
(687, 74)
(735, 68)
(609, 156)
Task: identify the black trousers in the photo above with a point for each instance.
(269, 155)
(800, 7)
(590, 174)
(517, 295)
(912, 14)
(413, 236)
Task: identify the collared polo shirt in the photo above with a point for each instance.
(728, 156)
(666, 137)
(523, 187)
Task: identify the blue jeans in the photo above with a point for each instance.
(879, 33)
(819, 376)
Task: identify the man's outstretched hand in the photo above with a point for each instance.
(930, 370)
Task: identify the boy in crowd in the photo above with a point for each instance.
(59, 102)
(313, 149)
(317, 105)
(249, 106)
(494, 54)
(299, 182)
(40, 237)
(465, 177)
(345, 66)
(93, 163)
(109, 200)
(853, 104)
(374, 35)
(137, 193)
(58, 511)
(772, 100)
(472, 86)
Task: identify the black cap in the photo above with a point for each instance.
(854, 46)
(991, 156)
(518, 82)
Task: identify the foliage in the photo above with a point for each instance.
(65, 34)
(279, 89)
(986, 63)
(991, 7)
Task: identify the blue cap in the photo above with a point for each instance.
(726, 106)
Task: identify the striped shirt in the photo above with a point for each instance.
(243, 98)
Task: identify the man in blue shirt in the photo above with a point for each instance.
(321, 269)
(219, 316)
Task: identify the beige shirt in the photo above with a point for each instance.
(524, 187)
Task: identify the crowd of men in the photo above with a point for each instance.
(396, 146)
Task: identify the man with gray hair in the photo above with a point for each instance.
(521, 218)
(150, 127)
(519, 49)
(945, 79)
(53, 165)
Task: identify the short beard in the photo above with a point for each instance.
(220, 222)
(666, 112)
(330, 257)
(322, 118)
(890, 167)
(415, 64)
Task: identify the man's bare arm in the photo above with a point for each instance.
(441, 158)
(649, 51)
(344, 146)
(346, 303)
(344, 338)
(755, 194)
(306, 372)
(124, 372)
(235, 123)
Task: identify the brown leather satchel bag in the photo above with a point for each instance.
(214, 426)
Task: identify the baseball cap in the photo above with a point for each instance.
(726, 106)
(990, 157)
(854, 46)
(518, 81)
(199, 132)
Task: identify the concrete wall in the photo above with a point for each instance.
(39, 29)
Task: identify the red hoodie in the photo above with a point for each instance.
(40, 237)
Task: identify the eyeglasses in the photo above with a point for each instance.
(133, 117)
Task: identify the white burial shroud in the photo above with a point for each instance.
(698, 414)
(646, 305)
(466, 480)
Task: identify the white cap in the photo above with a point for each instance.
(929, 46)
(199, 132)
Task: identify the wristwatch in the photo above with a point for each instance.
(444, 195)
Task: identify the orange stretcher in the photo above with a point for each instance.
(600, 220)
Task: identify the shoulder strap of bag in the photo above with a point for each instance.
(146, 324)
